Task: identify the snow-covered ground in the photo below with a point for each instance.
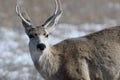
(15, 61)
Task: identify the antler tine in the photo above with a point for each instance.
(57, 13)
(57, 6)
(25, 18)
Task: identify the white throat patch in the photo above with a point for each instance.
(49, 62)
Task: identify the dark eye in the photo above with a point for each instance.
(35, 34)
(46, 35)
(32, 35)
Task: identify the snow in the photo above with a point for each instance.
(14, 75)
(91, 26)
(24, 59)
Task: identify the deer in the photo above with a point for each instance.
(95, 56)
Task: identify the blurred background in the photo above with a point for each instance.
(80, 17)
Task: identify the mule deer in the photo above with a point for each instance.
(92, 57)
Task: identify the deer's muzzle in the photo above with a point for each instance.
(41, 46)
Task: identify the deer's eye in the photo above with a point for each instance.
(46, 35)
(35, 34)
(32, 35)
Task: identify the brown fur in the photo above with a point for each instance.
(92, 57)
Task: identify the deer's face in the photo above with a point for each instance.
(38, 36)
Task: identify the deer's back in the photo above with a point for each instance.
(100, 50)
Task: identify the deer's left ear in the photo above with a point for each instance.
(53, 20)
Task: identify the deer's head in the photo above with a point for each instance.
(39, 34)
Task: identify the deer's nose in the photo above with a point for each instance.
(41, 46)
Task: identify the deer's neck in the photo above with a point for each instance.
(49, 60)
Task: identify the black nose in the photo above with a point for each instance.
(41, 46)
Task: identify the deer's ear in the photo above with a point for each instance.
(53, 20)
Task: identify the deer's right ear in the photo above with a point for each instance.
(24, 17)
